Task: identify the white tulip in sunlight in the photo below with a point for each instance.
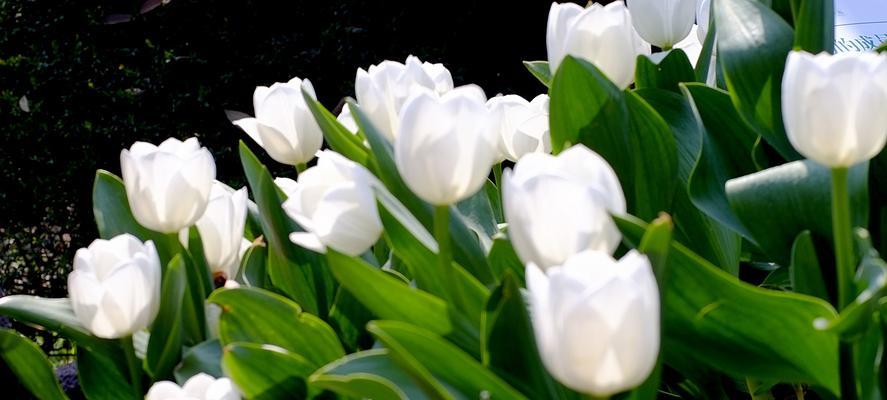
(335, 205)
(221, 229)
(691, 46)
(703, 13)
(601, 35)
(557, 206)
(198, 387)
(447, 144)
(347, 120)
(383, 89)
(596, 321)
(168, 185)
(522, 125)
(284, 126)
(663, 23)
(833, 106)
(115, 286)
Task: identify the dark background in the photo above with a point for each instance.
(99, 75)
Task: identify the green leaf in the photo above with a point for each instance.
(55, 315)
(804, 270)
(101, 378)
(743, 330)
(252, 271)
(206, 357)
(258, 316)
(339, 138)
(653, 154)
(167, 331)
(663, 70)
(349, 318)
(30, 365)
(266, 371)
(415, 349)
(502, 258)
(540, 70)
(368, 374)
(753, 71)
(705, 65)
(814, 25)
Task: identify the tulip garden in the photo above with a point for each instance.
(692, 207)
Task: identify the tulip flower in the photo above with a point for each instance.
(221, 229)
(334, 202)
(383, 89)
(703, 13)
(596, 321)
(197, 387)
(115, 286)
(284, 126)
(691, 46)
(663, 23)
(167, 186)
(447, 144)
(557, 206)
(601, 35)
(523, 125)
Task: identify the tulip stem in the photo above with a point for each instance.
(445, 254)
(132, 363)
(497, 174)
(301, 167)
(845, 270)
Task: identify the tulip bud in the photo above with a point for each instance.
(284, 126)
(663, 23)
(334, 202)
(383, 89)
(198, 387)
(557, 206)
(522, 125)
(168, 185)
(221, 229)
(447, 144)
(347, 120)
(832, 106)
(601, 35)
(115, 286)
(596, 321)
(703, 13)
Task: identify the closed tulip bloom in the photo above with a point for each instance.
(447, 144)
(383, 89)
(168, 185)
(221, 229)
(335, 205)
(703, 13)
(601, 35)
(596, 321)
(198, 387)
(115, 286)
(557, 206)
(833, 106)
(284, 126)
(522, 125)
(663, 23)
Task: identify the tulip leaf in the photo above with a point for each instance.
(252, 271)
(259, 316)
(416, 349)
(349, 318)
(55, 315)
(653, 153)
(540, 70)
(167, 331)
(740, 329)
(369, 374)
(805, 273)
(297, 272)
(753, 71)
(30, 365)
(814, 25)
(102, 379)
(663, 72)
(339, 138)
(705, 64)
(197, 288)
(503, 258)
(778, 203)
(205, 357)
(264, 371)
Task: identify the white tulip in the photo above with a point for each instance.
(167, 186)
(197, 387)
(691, 46)
(557, 206)
(221, 229)
(663, 23)
(601, 35)
(833, 106)
(703, 13)
(522, 125)
(383, 89)
(447, 144)
(284, 126)
(347, 120)
(334, 202)
(596, 321)
(115, 286)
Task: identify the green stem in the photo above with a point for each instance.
(848, 375)
(301, 167)
(497, 174)
(445, 254)
(132, 364)
(845, 270)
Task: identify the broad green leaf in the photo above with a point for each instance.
(349, 318)
(199, 276)
(476, 212)
(414, 349)
(653, 153)
(663, 70)
(540, 71)
(814, 25)
(259, 316)
(198, 284)
(503, 258)
(206, 357)
(30, 365)
(102, 379)
(264, 371)
(339, 138)
(167, 331)
(369, 374)
(252, 271)
(804, 270)
(55, 315)
(743, 330)
(753, 42)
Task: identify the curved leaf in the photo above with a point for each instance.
(369, 374)
(663, 70)
(339, 138)
(263, 371)
(206, 357)
(540, 70)
(30, 365)
(167, 331)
